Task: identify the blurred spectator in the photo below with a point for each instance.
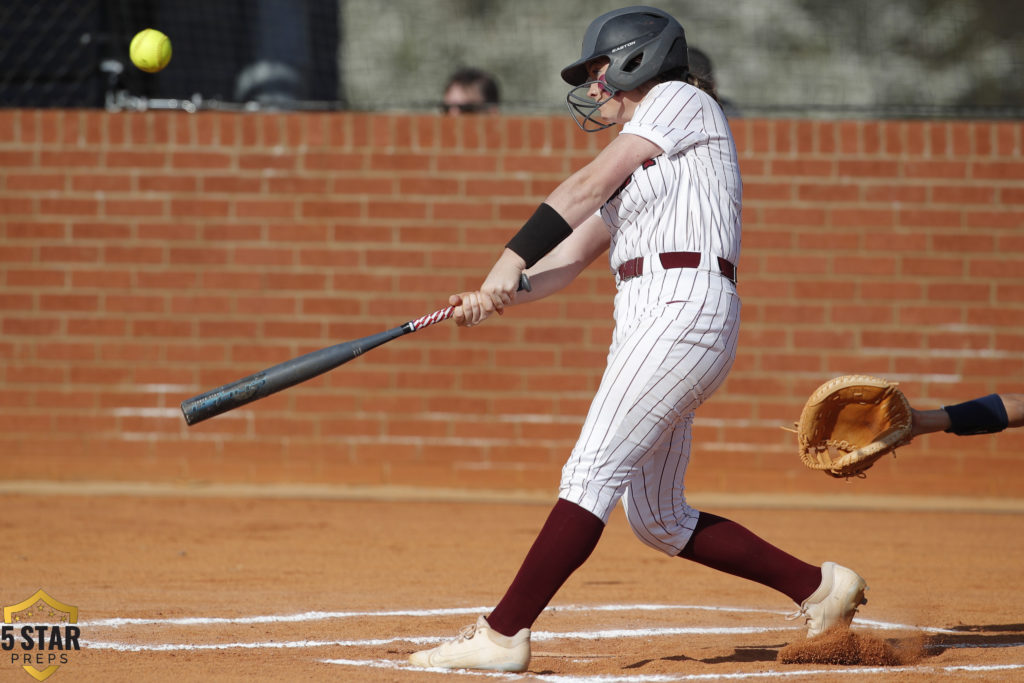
(701, 67)
(470, 91)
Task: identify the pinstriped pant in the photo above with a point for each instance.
(669, 353)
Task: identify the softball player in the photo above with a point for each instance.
(664, 199)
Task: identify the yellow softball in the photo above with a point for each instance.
(150, 50)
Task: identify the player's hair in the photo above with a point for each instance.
(684, 74)
(471, 77)
(693, 79)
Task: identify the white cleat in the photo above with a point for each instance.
(834, 602)
(479, 647)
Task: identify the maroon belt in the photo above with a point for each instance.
(674, 259)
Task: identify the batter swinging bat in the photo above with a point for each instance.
(292, 372)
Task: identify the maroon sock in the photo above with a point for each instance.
(728, 547)
(569, 536)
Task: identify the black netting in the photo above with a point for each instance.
(74, 53)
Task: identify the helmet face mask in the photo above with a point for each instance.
(639, 42)
(583, 109)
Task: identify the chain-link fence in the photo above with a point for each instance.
(887, 58)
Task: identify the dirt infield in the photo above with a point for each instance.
(194, 585)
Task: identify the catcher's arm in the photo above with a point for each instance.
(986, 415)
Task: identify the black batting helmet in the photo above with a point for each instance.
(641, 43)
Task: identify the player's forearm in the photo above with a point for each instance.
(928, 421)
(545, 281)
(1014, 404)
(940, 420)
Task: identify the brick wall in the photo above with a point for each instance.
(149, 256)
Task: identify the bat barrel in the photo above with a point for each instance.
(281, 376)
(291, 372)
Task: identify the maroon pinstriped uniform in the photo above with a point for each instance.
(675, 328)
(674, 239)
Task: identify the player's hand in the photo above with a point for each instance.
(502, 282)
(471, 308)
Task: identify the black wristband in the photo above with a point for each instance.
(986, 415)
(543, 232)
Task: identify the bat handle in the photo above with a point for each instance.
(445, 313)
(430, 319)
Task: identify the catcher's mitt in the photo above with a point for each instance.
(850, 422)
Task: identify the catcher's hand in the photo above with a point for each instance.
(850, 422)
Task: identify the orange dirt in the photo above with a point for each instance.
(160, 557)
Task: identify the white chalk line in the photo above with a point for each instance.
(117, 622)
(537, 636)
(672, 678)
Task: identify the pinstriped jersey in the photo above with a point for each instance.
(689, 197)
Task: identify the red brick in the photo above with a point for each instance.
(98, 327)
(232, 184)
(201, 160)
(8, 125)
(200, 208)
(963, 242)
(331, 209)
(69, 254)
(822, 193)
(998, 170)
(861, 217)
(992, 268)
(794, 216)
(1012, 220)
(17, 158)
(69, 207)
(105, 182)
(152, 182)
(133, 159)
(162, 328)
(122, 254)
(875, 168)
(936, 169)
(133, 207)
(802, 167)
(69, 158)
(263, 162)
(883, 265)
(35, 182)
(32, 230)
(933, 266)
(68, 302)
(131, 303)
(931, 218)
(30, 326)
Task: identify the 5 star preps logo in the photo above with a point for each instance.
(38, 634)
